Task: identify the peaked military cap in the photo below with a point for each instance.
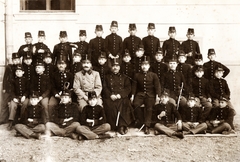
(76, 53)
(103, 55)
(181, 53)
(66, 92)
(219, 68)
(173, 59)
(211, 51)
(34, 94)
(99, 28)
(82, 33)
(172, 29)
(28, 35)
(86, 58)
(198, 56)
(190, 31)
(40, 63)
(126, 53)
(165, 93)
(116, 61)
(91, 95)
(48, 54)
(132, 26)
(19, 67)
(41, 33)
(114, 24)
(140, 47)
(146, 60)
(223, 98)
(199, 68)
(151, 26)
(63, 34)
(15, 55)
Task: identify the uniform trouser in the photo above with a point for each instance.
(207, 106)
(53, 102)
(168, 129)
(144, 116)
(182, 102)
(216, 104)
(56, 130)
(222, 127)
(82, 103)
(44, 103)
(199, 128)
(92, 132)
(27, 131)
(4, 113)
(13, 108)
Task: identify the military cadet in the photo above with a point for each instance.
(40, 49)
(210, 66)
(174, 82)
(41, 83)
(127, 67)
(132, 42)
(163, 117)
(184, 68)
(29, 70)
(117, 105)
(66, 118)
(96, 45)
(87, 80)
(28, 47)
(77, 65)
(49, 67)
(113, 43)
(7, 88)
(150, 42)
(146, 90)
(190, 47)
(102, 66)
(63, 50)
(200, 88)
(171, 46)
(221, 118)
(192, 118)
(93, 120)
(198, 60)
(19, 95)
(82, 45)
(60, 80)
(138, 59)
(32, 124)
(159, 67)
(219, 87)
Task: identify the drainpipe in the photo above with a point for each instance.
(8, 30)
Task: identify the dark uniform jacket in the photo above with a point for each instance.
(147, 83)
(95, 113)
(40, 56)
(50, 69)
(41, 84)
(59, 79)
(137, 64)
(131, 43)
(218, 88)
(151, 45)
(62, 51)
(113, 44)
(160, 69)
(76, 67)
(209, 69)
(103, 70)
(172, 81)
(171, 113)
(96, 46)
(200, 87)
(20, 87)
(222, 114)
(36, 113)
(29, 71)
(170, 48)
(64, 111)
(82, 46)
(22, 53)
(186, 70)
(193, 114)
(9, 75)
(190, 46)
(127, 69)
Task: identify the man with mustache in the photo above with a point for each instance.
(85, 81)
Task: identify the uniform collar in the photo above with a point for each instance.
(84, 72)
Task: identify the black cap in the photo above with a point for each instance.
(61, 61)
(63, 34)
(66, 92)
(146, 60)
(172, 29)
(173, 59)
(77, 53)
(27, 56)
(19, 67)
(151, 26)
(116, 62)
(132, 26)
(219, 68)
(28, 35)
(165, 93)
(86, 58)
(223, 98)
(190, 31)
(114, 24)
(40, 63)
(82, 33)
(103, 55)
(48, 54)
(181, 53)
(199, 68)
(41, 33)
(91, 95)
(34, 94)
(140, 47)
(126, 53)
(15, 55)
(198, 56)
(211, 51)
(159, 51)
(191, 97)
(99, 28)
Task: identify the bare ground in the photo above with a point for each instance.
(153, 148)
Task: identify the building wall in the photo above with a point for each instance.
(216, 24)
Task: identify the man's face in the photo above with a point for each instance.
(28, 40)
(115, 69)
(39, 69)
(102, 61)
(191, 103)
(87, 65)
(113, 29)
(34, 101)
(139, 53)
(19, 73)
(27, 61)
(63, 39)
(41, 39)
(127, 58)
(222, 103)
(173, 65)
(99, 33)
(82, 38)
(92, 102)
(172, 35)
(16, 61)
(190, 36)
(145, 67)
(199, 74)
(159, 57)
(218, 74)
(61, 66)
(164, 99)
(132, 31)
(212, 57)
(47, 60)
(199, 62)
(182, 59)
(65, 99)
(76, 58)
(151, 32)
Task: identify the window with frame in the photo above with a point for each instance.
(57, 5)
